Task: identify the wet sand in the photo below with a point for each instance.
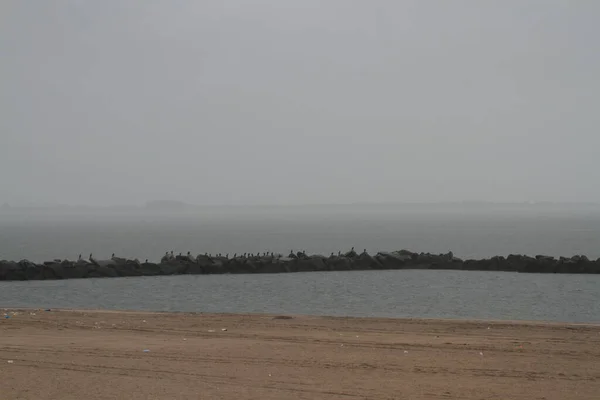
(101, 355)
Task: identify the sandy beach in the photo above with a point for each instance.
(64, 354)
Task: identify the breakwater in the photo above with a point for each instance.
(294, 262)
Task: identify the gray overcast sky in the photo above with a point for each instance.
(305, 101)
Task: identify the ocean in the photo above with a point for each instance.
(469, 231)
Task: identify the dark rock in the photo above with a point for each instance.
(394, 260)
(128, 269)
(315, 263)
(351, 254)
(273, 266)
(299, 262)
(150, 269)
(193, 268)
(338, 263)
(171, 268)
(11, 271)
(100, 271)
(366, 262)
(66, 270)
(119, 260)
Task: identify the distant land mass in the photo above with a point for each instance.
(180, 206)
(167, 205)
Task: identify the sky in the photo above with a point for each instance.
(299, 102)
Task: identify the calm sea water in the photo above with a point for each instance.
(469, 233)
(423, 294)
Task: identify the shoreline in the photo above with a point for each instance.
(498, 322)
(99, 354)
(268, 263)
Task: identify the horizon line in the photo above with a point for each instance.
(172, 204)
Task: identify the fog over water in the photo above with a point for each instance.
(469, 231)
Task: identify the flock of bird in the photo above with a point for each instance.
(298, 255)
(170, 256)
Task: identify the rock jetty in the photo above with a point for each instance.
(294, 262)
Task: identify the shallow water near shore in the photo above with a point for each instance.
(402, 294)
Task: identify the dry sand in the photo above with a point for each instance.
(100, 355)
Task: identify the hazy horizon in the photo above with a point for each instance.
(167, 203)
(307, 102)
